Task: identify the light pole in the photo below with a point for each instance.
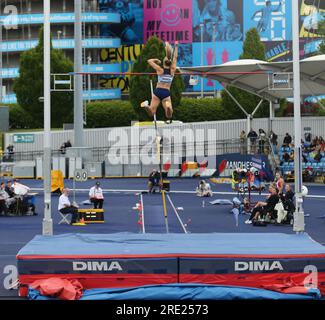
(202, 57)
(47, 221)
(78, 88)
(299, 219)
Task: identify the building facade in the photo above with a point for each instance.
(21, 21)
(209, 31)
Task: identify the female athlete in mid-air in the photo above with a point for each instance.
(165, 74)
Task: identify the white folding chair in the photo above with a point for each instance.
(64, 218)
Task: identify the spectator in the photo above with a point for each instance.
(65, 206)
(204, 189)
(11, 193)
(10, 153)
(252, 135)
(96, 196)
(68, 144)
(64, 146)
(289, 194)
(291, 156)
(279, 182)
(263, 208)
(262, 139)
(3, 199)
(243, 142)
(286, 157)
(318, 156)
(287, 140)
(274, 141)
(154, 181)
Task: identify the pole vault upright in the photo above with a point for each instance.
(78, 88)
(47, 220)
(299, 223)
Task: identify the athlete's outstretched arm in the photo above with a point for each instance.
(154, 63)
(253, 16)
(174, 62)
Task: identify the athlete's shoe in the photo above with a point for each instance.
(248, 222)
(169, 121)
(145, 104)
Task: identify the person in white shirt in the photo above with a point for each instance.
(65, 206)
(20, 189)
(204, 189)
(96, 196)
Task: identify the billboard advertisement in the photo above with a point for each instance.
(130, 30)
(272, 18)
(215, 53)
(169, 20)
(219, 20)
(125, 56)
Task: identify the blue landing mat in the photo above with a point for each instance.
(148, 244)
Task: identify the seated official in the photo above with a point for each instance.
(11, 200)
(154, 181)
(3, 199)
(96, 196)
(65, 206)
(204, 189)
(263, 208)
(21, 194)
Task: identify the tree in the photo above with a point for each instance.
(140, 85)
(321, 30)
(253, 48)
(29, 85)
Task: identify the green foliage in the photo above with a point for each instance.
(29, 86)
(253, 48)
(114, 113)
(19, 118)
(140, 85)
(196, 110)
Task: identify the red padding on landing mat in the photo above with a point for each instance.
(281, 282)
(92, 281)
(63, 289)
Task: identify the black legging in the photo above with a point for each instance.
(98, 203)
(261, 210)
(3, 207)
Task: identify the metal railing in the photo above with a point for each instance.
(203, 148)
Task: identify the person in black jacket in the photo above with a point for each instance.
(287, 140)
(252, 135)
(262, 208)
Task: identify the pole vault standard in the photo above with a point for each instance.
(47, 220)
(299, 219)
(159, 154)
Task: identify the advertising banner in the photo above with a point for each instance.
(215, 53)
(125, 56)
(218, 20)
(130, 30)
(169, 20)
(272, 18)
